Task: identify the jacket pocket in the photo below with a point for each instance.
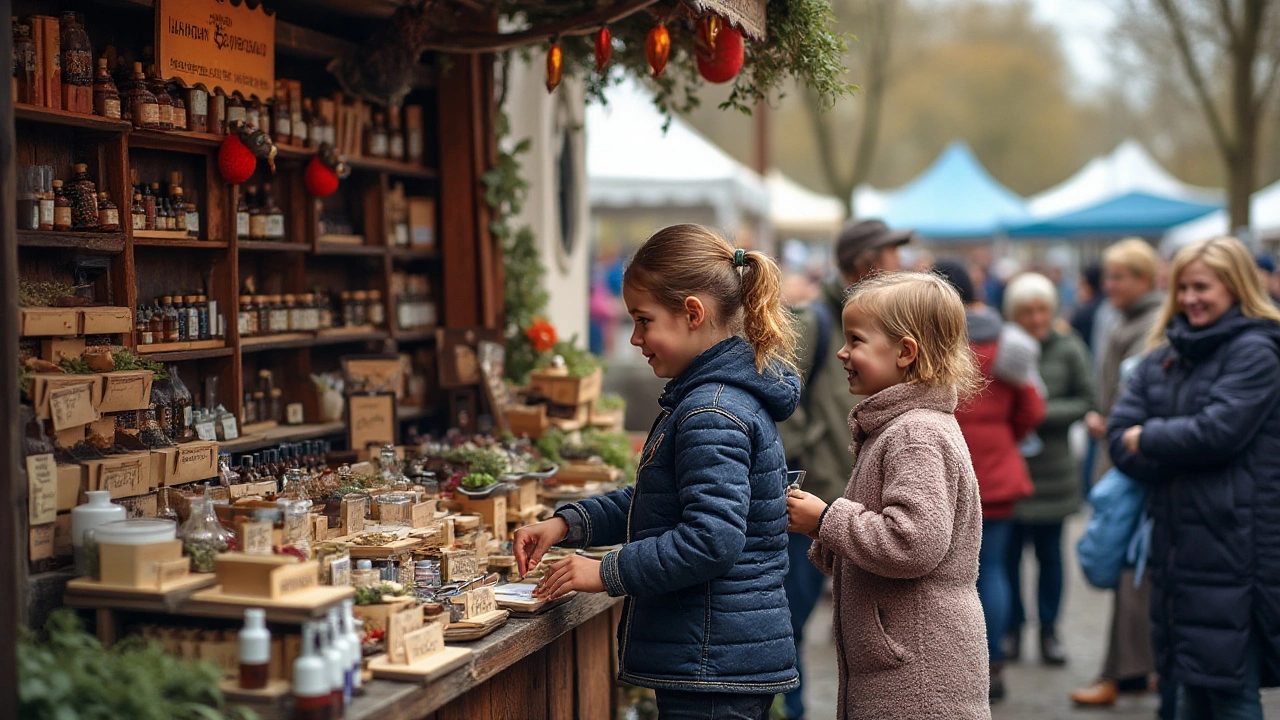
(886, 636)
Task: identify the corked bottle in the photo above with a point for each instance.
(61, 208)
(83, 195)
(311, 691)
(108, 214)
(255, 650)
(139, 102)
(165, 103)
(106, 98)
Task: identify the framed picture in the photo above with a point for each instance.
(371, 420)
(460, 355)
(376, 374)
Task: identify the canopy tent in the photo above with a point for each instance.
(798, 212)
(868, 202)
(632, 163)
(1128, 168)
(1133, 213)
(1264, 218)
(955, 198)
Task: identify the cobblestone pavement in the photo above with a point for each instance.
(1035, 692)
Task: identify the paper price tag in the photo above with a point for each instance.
(399, 625)
(340, 572)
(207, 431)
(423, 643)
(72, 406)
(255, 537)
(229, 429)
(353, 512)
(42, 481)
(479, 602)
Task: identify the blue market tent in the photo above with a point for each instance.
(955, 198)
(1134, 213)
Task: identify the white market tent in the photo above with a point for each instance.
(632, 163)
(869, 203)
(1264, 217)
(798, 212)
(1128, 168)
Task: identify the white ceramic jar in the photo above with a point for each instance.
(95, 513)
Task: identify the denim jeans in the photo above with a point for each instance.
(1046, 538)
(1197, 703)
(993, 583)
(803, 584)
(681, 705)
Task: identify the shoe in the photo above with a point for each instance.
(1103, 693)
(1013, 646)
(1051, 652)
(997, 682)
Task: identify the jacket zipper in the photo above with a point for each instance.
(651, 449)
(1171, 518)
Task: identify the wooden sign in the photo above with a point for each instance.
(217, 44)
(423, 642)
(371, 420)
(392, 513)
(42, 481)
(256, 537)
(353, 512)
(422, 514)
(374, 374)
(398, 626)
(42, 541)
(172, 571)
(289, 579)
(458, 565)
(479, 602)
(72, 406)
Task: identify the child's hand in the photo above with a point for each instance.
(531, 542)
(1131, 438)
(804, 510)
(573, 573)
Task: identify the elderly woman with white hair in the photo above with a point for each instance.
(1031, 301)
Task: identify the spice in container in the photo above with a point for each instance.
(46, 197)
(165, 103)
(140, 103)
(255, 650)
(61, 208)
(106, 98)
(179, 109)
(83, 195)
(138, 213)
(76, 63)
(108, 214)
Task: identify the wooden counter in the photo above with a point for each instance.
(561, 664)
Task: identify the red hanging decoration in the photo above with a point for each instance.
(325, 170)
(604, 48)
(657, 48)
(241, 148)
(708, 30)
(719, 64)
(555, 66)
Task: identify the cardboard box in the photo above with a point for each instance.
(71, 486)
(104, 427)
(124, 390)
(142, 506)
(44, 383)
(377, 615)
(106, 320)
(68, 437)
(38, 322)
(126, 475)
(57, 349)
(265, 576)
(188, 462)
(422, 222)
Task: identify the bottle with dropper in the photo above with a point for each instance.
(343, 643)
(255, 650)
(311, 691)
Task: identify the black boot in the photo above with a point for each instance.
(997, 682)
(1013, 645)
(1051, 652)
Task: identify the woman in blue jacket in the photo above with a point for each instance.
(1200, 421)
(705, 622)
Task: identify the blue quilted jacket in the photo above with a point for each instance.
(705, 528)
(1209, 406)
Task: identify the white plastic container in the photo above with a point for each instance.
(94, 514)
(139, 531)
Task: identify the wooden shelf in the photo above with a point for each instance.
(282, 434)
(187, 243)
(330, 248)
(181, 355)
(283, 341)
(413, 254)
(336, 338)
(175, 141)
(273, 246)
(407, 413)
(422, 335)
(392, 167)
(293, 152)
(32, 113)
(96, 242)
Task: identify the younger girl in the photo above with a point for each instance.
(705, 621)
(902, 544)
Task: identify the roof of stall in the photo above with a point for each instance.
(1264, 218)
(1133, 213)
(796, 210)
(1127, 168)
(955, 198)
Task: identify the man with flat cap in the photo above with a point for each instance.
(816, 437)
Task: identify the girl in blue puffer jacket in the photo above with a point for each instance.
(705, 621)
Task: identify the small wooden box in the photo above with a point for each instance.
(188, 462)
(493, 511)
(106, 320)
(528, 421)
(565, 389)
(125, 390)
(525, 496)
(141, 566)
(57, 349)
(44, 322)
(265, 576)
(124, 475)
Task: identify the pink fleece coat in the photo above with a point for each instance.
(902, 547)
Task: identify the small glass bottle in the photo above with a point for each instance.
(142, 327)
(281, 122)
(159, 324)
(108, 214)
(151, 197)
(255, 650)
(312, 694)
(325, 306)
(197, 102)
(46, 197)
(242, 317)
(375, 312)
(218, 113)
(272, 214)
(257, 217)
(294, 313)
(106, 98)
(140, 102)
(179, 108)
(61, 208)
(376, 143)
(395, 143)
(138, 213)
(77, 53)
(164, 509)
(83, 194)
(235, 112)
(242, 214)
(300, 122)
(253, 115)
(192, 220)
(178, 207)
(193, 318)
(279, 315)
(264, 314)
(359, 305)
(163, 102)
(162, 214)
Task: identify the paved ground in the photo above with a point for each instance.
(1035, 692)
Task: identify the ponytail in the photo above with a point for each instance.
(684, 260)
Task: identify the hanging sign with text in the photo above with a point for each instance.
(217, 44)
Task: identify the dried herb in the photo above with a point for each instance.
(125, 360)
(43, 293)
(75, 366)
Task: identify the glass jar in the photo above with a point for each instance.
(197, 102)
(106, 97)
(374, 309)
(348, 308)
(365, 574)
(294, 313)
(359, 302)
(296, 532)
(139, 102)
(264, 314)
(279, 315)
(247, 319)
(77, 52)
(203, 537)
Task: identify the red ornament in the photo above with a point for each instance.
(236, 161)
(657, 47)
(321, 180)
(604, 48)
(721, 63)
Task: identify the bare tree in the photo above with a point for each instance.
(875, 22)
(1229, 53)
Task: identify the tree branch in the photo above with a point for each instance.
(578, 25)
(1177, 26)
(1229, 22)
(827, 151)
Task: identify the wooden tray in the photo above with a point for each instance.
(533, 607)
(476, 628)
(312, 603)
(380, 552)
(423, 671)
(87, 588)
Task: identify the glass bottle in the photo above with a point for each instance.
(24, 63)
(192, 304)
(83, 195)
(76, 51)
(140, 103)
(249, 416)
(279, 315)
(159, 326)
(242, 214)
(138, 213)
(108, 214)
(46, 197)
(192, 221)
(348, 308)
(253, 115)
(178, 208)
(61, 208)
(395, 143)
(375, 312)
(376, 140)
(162, 214)
(164, 508)
(273, 215)
(164, 103)
(235, 112)
(106, 98)
(179, 108)
(257, 218)
(203, 537)
(180, 316)
(142, 327)
(325, 306)
(291, 309)
(264, 314)
(197, 102)
(170, 319)
(205, 320)
(183, 419)
(281, 122)
(315, 129)
(301, 123)
(151, 196)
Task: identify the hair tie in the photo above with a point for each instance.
(739, 258)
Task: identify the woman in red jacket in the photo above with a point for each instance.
(1008, 410)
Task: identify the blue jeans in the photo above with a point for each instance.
(1046, 538)
(681, 705)
(803, 584)
(993, 583)
(1198, 703)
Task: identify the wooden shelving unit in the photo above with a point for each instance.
(94, 242)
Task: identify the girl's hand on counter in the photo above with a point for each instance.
(531, 542)
(573, 573)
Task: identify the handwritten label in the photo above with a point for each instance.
(423, 642)
(353, 512)
(423, 514)
(172, 571)
(207, 431)
(123, 480)
(458, 565)
(229, 429)
(294, 578)
(255, 537)
(42, 541)
(479, 602)
(72, 406)
(340, 572)
(42, 481)
(125, 392)
(398, 625)
(373, 420)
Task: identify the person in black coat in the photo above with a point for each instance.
(1200, 422)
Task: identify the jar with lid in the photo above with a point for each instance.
(247, 319)
(235, 112)
(264, 314)
(197, 102)
(61, 208)
(324, 308)
(97, 511)
(360, 300)
(83, 194)
(279, 315)
(275, 404)
(203, 537)
(376, 312)
(294, 312)
(165, 103)
(307, 312)
(108, 214)
(106, 97)
(348, 308)
(77, 52)
(296, 532)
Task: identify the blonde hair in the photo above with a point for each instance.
(1231, 261)
(1027, 287)
(1135, 255)
(685, 260)
(927, 309)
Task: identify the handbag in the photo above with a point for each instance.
(1118, 533)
